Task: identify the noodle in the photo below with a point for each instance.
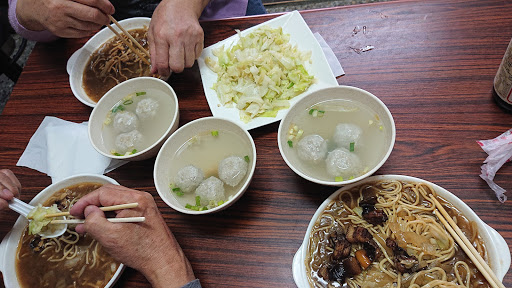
(413, 249)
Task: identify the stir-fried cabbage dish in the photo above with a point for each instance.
(260, 73)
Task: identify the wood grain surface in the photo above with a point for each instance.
(433, 65)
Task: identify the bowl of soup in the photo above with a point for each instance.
(205, 166)
(133, 119)
(367, 233)
(28, 261)
(105, 61)
(336, 136)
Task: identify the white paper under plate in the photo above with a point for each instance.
(300, 35)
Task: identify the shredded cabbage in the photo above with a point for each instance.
(260, 73)
(38, 222)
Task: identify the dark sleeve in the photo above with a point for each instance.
(192, 284)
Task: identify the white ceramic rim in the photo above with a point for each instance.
(139, 155)
(11, 240)
(89, 47)
(499, 261)
(164, 190)
(283, 129)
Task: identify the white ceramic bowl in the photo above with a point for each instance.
(497, 248)
(164, 159)
(77, 62)
(9, 244)
(353, 94)
(117, 93)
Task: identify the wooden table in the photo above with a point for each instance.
(433, 65)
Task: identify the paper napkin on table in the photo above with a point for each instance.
(335, 65)
(61, 149)
(500, 152)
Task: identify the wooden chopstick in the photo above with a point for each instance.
(129, 45)
(466, 245)
(113, 220)
(129, 36)
(106, 208)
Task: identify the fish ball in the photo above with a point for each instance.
(188, 178)
(312, 148)
(210, 189)
(342, 162)
(347, 133)
(146, 108)
(232, 170)
(125, 121)
(127, 141)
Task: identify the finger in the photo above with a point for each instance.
(199, 49)
(107, 195)
(95, 222)
(190, 56)
(3, 204)
(177, 59)
(6, 195)
(162, 58)
(152, 51)
(9, 181)
(103, 5)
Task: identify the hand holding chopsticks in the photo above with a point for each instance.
(466, 245)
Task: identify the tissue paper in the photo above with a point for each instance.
(61, 149)
(500, 152)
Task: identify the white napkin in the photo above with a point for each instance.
(500, 152)
(335, 65)
(61, 149)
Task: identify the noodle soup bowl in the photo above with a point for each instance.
(327, 115)
(156, 130)
(498, 253)
(77, 62)
(204, 143)
(9, 245)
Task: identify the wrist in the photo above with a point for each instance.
(195, 6)
(25, 17)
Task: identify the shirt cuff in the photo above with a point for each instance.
(192, 284)
(40, 36)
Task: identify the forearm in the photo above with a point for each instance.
(18, 25)
(197, 6)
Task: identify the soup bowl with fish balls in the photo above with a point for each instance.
(336, 136)
(133, 119)
(28, 261)
(205, 166)
(105, 61)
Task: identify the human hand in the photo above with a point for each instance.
(10, 187)
(175, 37)
(64, 18)
(149, 246)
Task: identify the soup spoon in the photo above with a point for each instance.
(24, 209)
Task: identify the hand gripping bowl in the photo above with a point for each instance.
(8, 247)
(181, 150)
(168, 107)
(77, 62)
(341, 106)
(497, 249)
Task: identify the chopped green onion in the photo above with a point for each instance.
(246, 158)
(204, 208)
(198, 200)
(176, 189)
(118, 108)
(134, 151)
(215, 133)
(116, 154)
(338, 179)
(352, 144)
(140, 93)
(128, 102)
(220, 203)
(188, 206)
(290, 85)
(351, 177)
(178, 192)
(311, 111)
(381, 128)
(321, 113)
(290, 143)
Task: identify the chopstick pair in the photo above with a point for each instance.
(466, 245)
(126, 41)
(105, 209)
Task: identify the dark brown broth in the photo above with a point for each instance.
(34, 270)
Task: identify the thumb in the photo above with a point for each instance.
(95, 222)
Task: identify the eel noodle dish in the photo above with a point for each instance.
(385, 234)
(70, 260)
(136, 122)
(209, 169)
(114, 63)
(336, 140)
